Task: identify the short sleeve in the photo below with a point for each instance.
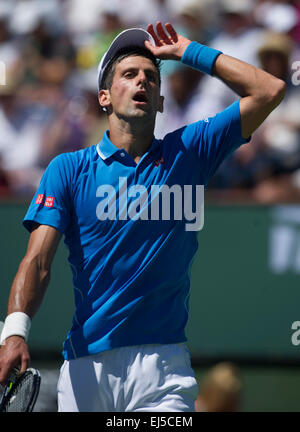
(215, 138)
(51, 204)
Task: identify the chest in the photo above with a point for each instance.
(157, 191)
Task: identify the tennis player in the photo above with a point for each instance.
(126, 208)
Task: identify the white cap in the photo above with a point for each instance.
(130, 37)
(25, 18)
(280, 18)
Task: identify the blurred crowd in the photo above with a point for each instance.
(49, 53)
(221, 389)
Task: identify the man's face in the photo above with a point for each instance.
(135, 90)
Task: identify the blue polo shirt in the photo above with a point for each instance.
(131, 259)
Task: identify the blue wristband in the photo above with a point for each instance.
(200, 57)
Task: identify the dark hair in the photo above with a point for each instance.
(119, 56)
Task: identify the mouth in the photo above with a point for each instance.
(140, 98)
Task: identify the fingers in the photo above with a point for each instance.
(162, 38)
(6, 372)
(151, 48)
(150, 29)
(24, 363)
(162, 34)
(172, 32)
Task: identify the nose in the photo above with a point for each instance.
(141, 78)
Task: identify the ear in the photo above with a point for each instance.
(161, 104)
(104, 98)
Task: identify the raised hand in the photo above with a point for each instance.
(169, 45)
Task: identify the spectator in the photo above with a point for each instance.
(9, 48)
(194, 18)
(295, 33)
(280, 135)
(26, 13)
(19, 140)
(37, 123)
(140, 13)
(239, 37)
(82, 18)
(220, 390)
(49, 106)
(279, 17)
(268, 165)
(181, 100)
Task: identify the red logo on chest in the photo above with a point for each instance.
(159, 161)
(49, 201)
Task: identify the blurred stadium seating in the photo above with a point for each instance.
(49, 52)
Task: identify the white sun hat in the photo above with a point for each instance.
(129, 37)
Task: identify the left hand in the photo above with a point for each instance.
(168, 46)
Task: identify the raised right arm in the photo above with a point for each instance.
(27, 293)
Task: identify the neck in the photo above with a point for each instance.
(134, 137)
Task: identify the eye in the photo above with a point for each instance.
(129, 75)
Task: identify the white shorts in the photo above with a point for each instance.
(139, 378)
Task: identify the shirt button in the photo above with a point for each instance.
(122, 154)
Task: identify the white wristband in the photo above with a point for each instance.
(16, 324)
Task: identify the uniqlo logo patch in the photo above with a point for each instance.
(39, 199)
(49, 202)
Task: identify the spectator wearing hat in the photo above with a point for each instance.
(239, 37)
(280, 135)
(269, 167)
